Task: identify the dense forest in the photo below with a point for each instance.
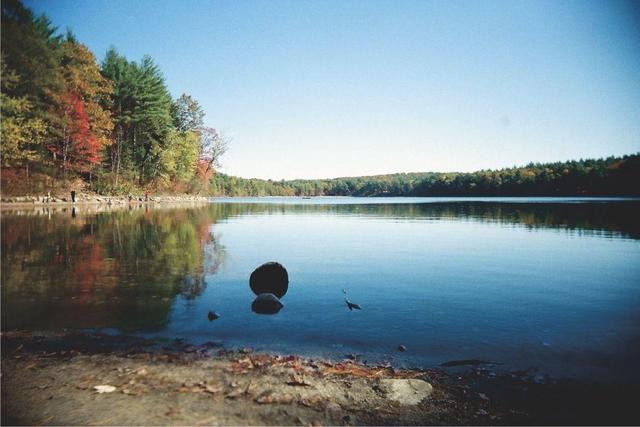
(113, 127)
(610, 176)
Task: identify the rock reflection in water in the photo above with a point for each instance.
(266, 304)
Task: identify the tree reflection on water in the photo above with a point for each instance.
(118, 269)
(124, 267)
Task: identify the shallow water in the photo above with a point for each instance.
(546, 284)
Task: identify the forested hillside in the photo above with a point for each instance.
(610, 176)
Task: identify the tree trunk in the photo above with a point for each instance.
(141, 176)
(155, 168)
(65, 145)
(118, 155)
(144, 161)
(28, 180)
(209, 164)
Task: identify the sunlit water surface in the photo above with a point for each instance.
(550, 285)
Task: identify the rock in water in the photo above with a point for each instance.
(270, 278)
(352, 305)
(406, 392)
(266, 304)
(213, 316)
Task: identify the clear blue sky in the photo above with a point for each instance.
(341, 88)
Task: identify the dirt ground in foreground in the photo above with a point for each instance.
(51, 380)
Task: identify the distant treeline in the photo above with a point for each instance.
(619, 218)
(613, 176)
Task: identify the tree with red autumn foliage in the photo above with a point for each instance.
(85, 145)
(82, 124)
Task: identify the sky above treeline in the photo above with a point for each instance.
(318, 89)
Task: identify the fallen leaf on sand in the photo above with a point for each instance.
(104, 388)
(297, 380)
(315, 402)
(269, 397)
(352, 369)
(172, 411)
(212, 389)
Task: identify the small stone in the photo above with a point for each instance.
(402, 348)
(539, 378)
(406, 391)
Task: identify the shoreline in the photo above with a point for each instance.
(104, 203)
(8, 203)
(49, 378)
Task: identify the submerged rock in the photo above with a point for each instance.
(271, 278)
(406, 391)
(352, 305)
(266, 304)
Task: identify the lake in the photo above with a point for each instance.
(551, 285)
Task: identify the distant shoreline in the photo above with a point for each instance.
(22, 202)
(374, 197)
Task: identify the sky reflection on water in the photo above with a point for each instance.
(546, 285)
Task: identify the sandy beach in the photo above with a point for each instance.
(95, 379)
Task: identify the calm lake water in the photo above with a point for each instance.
(546, 284)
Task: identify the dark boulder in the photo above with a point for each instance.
(266, 304)
(270, 278)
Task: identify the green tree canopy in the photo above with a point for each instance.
(187, 114)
